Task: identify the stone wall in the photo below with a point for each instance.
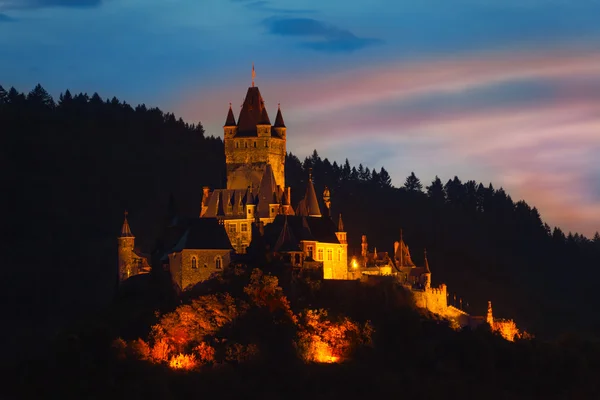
(185, 274)
(246, 159)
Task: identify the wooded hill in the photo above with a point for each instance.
(74, 165)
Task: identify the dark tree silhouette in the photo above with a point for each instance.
(412, 183)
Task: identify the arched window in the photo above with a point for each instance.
(218, 262)
(237, 145)
(194, 263)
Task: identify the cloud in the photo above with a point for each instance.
(29, 4)
(5, 18)
(528, 121)
(265, 6)
(321, 36)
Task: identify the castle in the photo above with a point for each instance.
(256, 206)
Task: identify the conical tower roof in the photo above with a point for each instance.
(279, 119)
(230, 118)
(310, 200)
(125, 230)
(286, 241)
(253, 113)
(403, 255)
(340, 224)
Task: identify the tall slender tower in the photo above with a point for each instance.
(126, 254)
(252, 142)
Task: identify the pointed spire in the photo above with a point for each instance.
(427, 270)
(230, 118)
(125, 230)
(279, 118)
(310, 198)
(253, 74)
(340, 224)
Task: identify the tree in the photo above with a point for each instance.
(40, 97)
(435, 191)
(412, 183)
(65, 98)
(385, 180)
(3, 95)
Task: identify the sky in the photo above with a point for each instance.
(501, 91)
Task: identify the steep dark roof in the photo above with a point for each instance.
(279, 119)
(310, 207)
(253, 113)
(230, 121)
(287, 241)
(300, 228)
(268, 192)
(204, 233)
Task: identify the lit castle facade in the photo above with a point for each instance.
(257, 202)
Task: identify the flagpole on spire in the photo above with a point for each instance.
(253, 74)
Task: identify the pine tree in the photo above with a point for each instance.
(40, 97)
(3, 95)
(413, 184)
(384, 178)
(435, 191)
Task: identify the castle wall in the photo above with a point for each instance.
(183, 272)
(247, 157)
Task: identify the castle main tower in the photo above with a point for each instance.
(252, 143)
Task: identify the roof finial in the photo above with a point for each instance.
(310, 174)
(278, 105)
(253, 74)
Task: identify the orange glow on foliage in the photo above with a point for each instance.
(183, 361)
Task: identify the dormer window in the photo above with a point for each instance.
(218, 262)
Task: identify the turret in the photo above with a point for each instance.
(230, 127)
(279, 128)
(341, 233)
(364, 246)
(490, 318)
(327, 201)
(126, 255)
(427, 274)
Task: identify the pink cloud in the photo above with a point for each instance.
(539, 151)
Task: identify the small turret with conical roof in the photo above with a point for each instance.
(427, 273)
(126, 254)
(279, 127)
(341, 233)
(230, 127)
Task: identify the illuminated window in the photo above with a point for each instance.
(232, 228)
(339, 254)
(244, 227)
(309, 250)
(218, 262)
(320, 254)
(329, 255)
(194, 263)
